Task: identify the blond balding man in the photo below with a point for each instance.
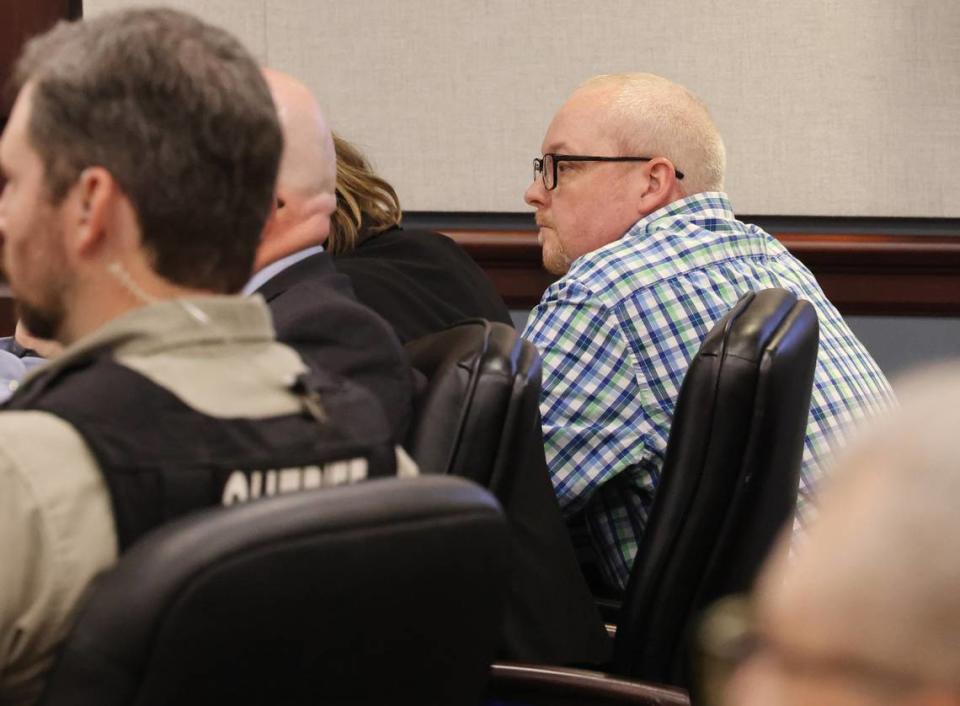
(628, 197)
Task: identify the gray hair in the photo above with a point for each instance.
(177, 111)
(652, 116)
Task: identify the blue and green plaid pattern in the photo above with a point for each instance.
(616, 335)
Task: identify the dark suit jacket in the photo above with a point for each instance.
(315, 312)
(420, 281)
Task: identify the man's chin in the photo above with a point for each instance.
(555, 260)
(555, 263)
(40, 324)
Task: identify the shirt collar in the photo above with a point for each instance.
(707, 205)
(274, 268)
(175, 323)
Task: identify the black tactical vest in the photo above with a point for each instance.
(161, 458)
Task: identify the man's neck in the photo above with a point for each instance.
(115, 296)
(265, 274)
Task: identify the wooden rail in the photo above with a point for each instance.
(863, 274)
(871, 274)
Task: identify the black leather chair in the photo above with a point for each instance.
(467, 420)
(383, 592)
(478, 417)
(728, 485)
(729, 480)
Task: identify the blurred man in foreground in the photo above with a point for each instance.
(140, 158)
(867, 613)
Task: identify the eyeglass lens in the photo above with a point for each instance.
(548, 172)
(543, 169)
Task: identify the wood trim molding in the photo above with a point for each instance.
(862, 274)
(22, 19)
(867, 274)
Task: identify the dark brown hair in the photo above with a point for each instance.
(177, 111)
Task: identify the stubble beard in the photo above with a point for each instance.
(41, 322)
(44, 316)
(555, 259)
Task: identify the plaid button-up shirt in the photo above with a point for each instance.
(617, 334)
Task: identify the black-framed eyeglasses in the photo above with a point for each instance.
(546, 167)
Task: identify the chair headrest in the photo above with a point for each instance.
(748, 328)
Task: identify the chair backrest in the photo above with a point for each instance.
(479, 418)
(465, 420)
(388, 591)
(729, 480)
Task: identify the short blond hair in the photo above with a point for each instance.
(653, 116)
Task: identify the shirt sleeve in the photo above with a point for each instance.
(27, 567)
(56, 534)
(590, 402)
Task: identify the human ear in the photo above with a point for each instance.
(92, 199)
(661, 186)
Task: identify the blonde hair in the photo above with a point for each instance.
(364, 200)
(656, 117)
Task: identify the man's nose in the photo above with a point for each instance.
(535, 195)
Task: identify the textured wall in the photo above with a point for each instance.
(828, 107)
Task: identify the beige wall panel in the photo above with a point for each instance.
(828, 107)
(244, 18)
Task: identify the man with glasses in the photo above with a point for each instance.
(628, 198)
(867, 611)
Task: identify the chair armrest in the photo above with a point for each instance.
(539, 685)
